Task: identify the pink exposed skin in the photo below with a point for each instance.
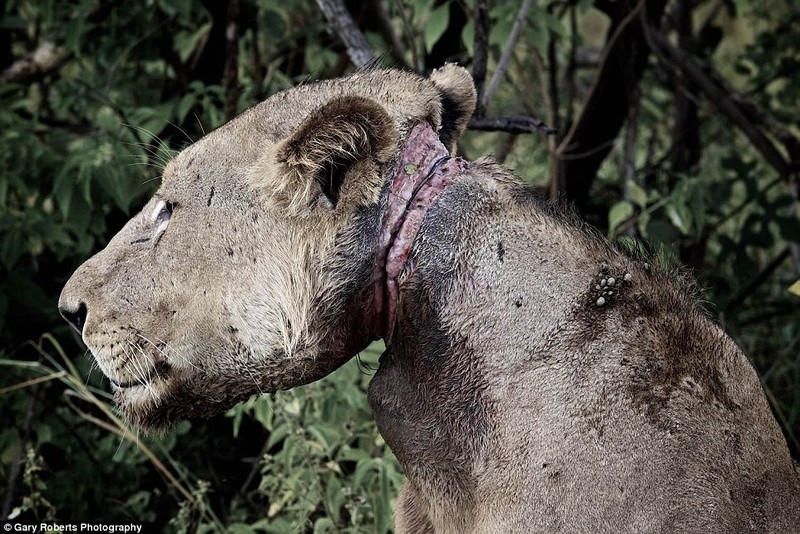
(425, 170)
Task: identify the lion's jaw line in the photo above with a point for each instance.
(424, 171)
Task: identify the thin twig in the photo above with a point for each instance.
(741, 207)
(605, 107)
(607, 51)
(120, 430)
(631, 142)
(708, 82)
(410, 32)
(557, 178)
(502, 65)
(33, 382)
(45, 58)
(358, 50)
(511, 124)
(758, 280)
(389, 35)
(16, 463)
(569, 75)
(772, 311)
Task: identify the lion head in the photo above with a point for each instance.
(253, 267)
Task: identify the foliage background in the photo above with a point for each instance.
(96, 95)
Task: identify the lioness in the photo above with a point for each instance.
(535, 379)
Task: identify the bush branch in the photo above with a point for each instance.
(510, 124)
(44, 59)
(508, 49)
(358, 50)
(605, 109)
(712, 86)
(480, 56)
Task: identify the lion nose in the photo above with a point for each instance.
(75, 317)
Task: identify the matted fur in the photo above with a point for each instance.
(535, 380)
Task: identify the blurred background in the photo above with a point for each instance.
(668, 121)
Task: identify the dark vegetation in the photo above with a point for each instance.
(670, 121)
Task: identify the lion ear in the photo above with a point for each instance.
(345, 133)
(457, 94)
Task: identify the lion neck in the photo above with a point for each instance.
(425, 169)
(488, 265)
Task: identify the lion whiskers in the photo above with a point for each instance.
(158, 152)
(93, 366)
(163, 349)
(138, 368)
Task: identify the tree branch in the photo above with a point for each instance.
(502, 65)
(45, 58)
(385, 28)
(720, 95)
(230, 73)
(758, 280)
(480, 52)
(631, 142)
(358, 50)
(511, 124)
(410, 34)
(592, 135)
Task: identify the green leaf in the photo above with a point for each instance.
(62, 192)
(323, 525)
(320, 438)
(240, 528)
(436, 25)
(638, 194)
(618, 214)
(680, 216)
(468, 37)
(237, 413)
(383, 513)
(184, 106)
(186, 43)
(795, 288)
(263, 412)
(540, 39)
(552, 22)
(278, 435)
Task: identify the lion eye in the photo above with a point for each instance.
(161, 215)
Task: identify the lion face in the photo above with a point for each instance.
(252, 268)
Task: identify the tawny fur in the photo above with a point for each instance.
(535, 380)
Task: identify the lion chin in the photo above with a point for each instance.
(158, 406)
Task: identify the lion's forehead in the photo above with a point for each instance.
(242, 140)
(219, 153)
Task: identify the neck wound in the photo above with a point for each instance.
(425, 170)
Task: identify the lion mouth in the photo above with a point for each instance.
(124, 385)
(423, 173)
(159, 371)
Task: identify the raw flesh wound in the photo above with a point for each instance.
(424, 171)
